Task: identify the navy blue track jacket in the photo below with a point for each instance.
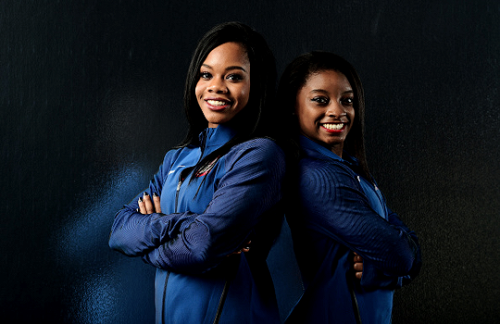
(205, 217)
(339, 212)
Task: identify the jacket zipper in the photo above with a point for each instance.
(350, 283)
(354, 300)
(168, 273)
(221, 302)
(177, 194)
(163, 299)
(379, 195)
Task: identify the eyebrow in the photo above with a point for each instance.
(232, 67)
(324, 91)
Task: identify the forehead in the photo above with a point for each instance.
(228, 54)
(329, 80)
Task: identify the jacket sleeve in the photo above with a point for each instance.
(133, 233)
(251, 186)
(373, 277)
(337, 207)
(413, 239)
(194, 243)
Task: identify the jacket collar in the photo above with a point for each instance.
(213, 138)
(317, 151)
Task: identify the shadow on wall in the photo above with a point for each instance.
(99, 285)
(102, 285)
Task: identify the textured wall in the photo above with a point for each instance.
(90, 100)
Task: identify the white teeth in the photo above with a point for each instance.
(216, 102)
(333, 126)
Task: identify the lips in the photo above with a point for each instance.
(217, 103)
(333, 127)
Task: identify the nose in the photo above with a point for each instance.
(217, 85)
(335, 110)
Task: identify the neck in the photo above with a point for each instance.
(338, 149)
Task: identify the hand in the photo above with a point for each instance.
(245, 249)
(148, 207)
(357, 265)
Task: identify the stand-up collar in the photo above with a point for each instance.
(214, 138)
(315, 150)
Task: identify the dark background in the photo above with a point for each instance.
(91, 97)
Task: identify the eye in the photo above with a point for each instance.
(234, 77)
(205, 75)
(321, 100)
(349, 101)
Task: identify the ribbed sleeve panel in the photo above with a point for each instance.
(335, 205)
(194, 243)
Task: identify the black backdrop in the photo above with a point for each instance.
(91, 95)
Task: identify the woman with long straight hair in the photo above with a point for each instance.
(216, 194)
(352, 250)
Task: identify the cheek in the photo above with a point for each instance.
(198, 91)
(245, 93)
(305, 116)
(353, 116)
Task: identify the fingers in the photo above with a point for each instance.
(235, 253)
(148, 204)
(357, 257)
(156, 200)
(245, 249)
(145, 204)
(358, 269)
(358, 266)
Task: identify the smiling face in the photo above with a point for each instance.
(325, 111)
(223, 88)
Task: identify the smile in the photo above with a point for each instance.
(217, 102)
(333, 126)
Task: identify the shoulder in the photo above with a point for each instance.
(314, 165)
(260, 153)
(262, 147)
(325, 172)
(176, 154)
(172, 155)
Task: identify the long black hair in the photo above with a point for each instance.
(294, 78)
(249, 121)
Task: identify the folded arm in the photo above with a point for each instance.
(337, 207)
(189, 242)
